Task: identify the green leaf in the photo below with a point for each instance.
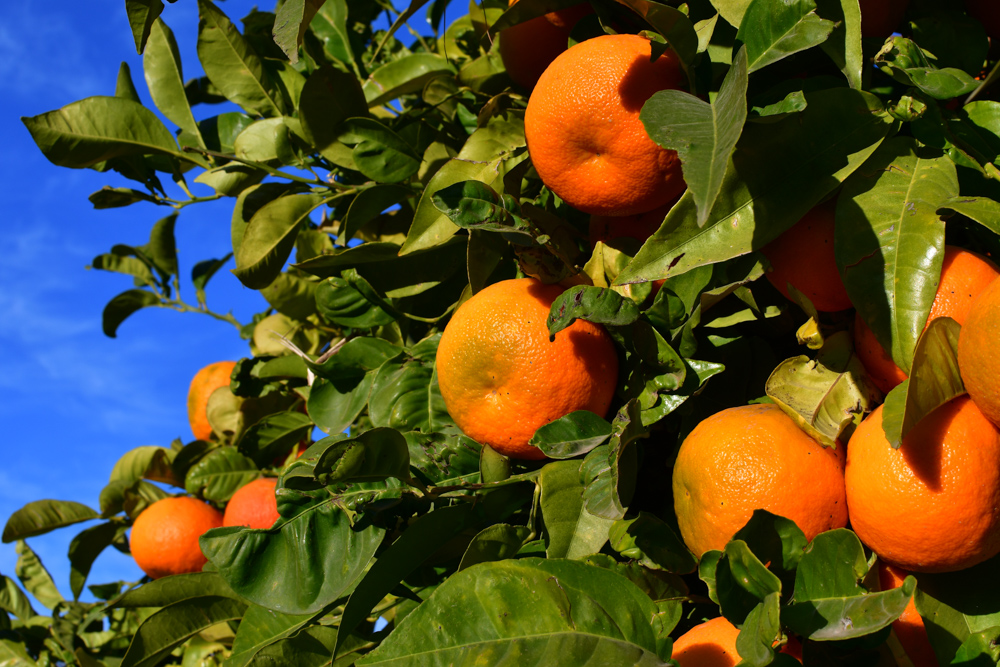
(984, 211)
(218, 475)
(41, 516)
(270, 236)
(580, 614)
(123, 305)
(934, 380)
(273, 436)
(86, 547)
(761, 197)
(482, 158)
(232, 65)
(981, 649)
(124, 86)
(829, 603)
(704, 135)
(35, 578)
(776, 541)
(149, 462)
(824, 395)
(265, 141)
(372, 456)
(594, 304)
(473, 205)
(171, 590)
(406, 75)
(329, 97)
(774, 29)
(171, 626)
(742, 581)
(653, 543)
(570, 530)
(571, 435)
(351, 302)
(609, 471)
(405, 394)
(203, 272)
(141, 16)
(844, 43)
(889, 235)
(330, 26)
(14, 654)
(97, 129)
(291, 24)
(261, 627)
(707, 567)
(165, 78)
(906, 62)
(13, 600)
(161, 251)
(299, 566)
(417, 543)
(759, 631)
(497, 542)
(369, 203)
(379, 153)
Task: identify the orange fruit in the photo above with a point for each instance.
(978, 357)
(583, 130)
(880, 18)
(964, 276)
(501, 378)
(803, 256)
(204, 382)
(713, 644)
(933, 505)
(528, 48)
(164, 538)
(909, 627)
(754, 457)
(253, 505)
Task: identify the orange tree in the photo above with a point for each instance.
(376, 186)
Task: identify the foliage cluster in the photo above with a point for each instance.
(336, 134)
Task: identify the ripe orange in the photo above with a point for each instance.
(164, 537)
(964, 276)
(754, 457)
(502, 379)
(584, 134)
(204, 382)
(909, 627)
(880, 18)
(803, 256)
(713, 644)
(528, 48)
(978, 357)
(944, 481)
(253, 505)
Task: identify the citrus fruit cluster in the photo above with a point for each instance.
(164, 537)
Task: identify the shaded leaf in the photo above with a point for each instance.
(570, 530)
(141, 15)
(86, 547)
(653, 543)
(157, 636)
(123, 305)
(775, 29)
(270, 236)
(497, 542)
(165, 78)
(35, 578)
(291, 23)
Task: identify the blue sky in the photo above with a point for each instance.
(73, 400)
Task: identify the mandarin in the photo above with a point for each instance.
(164, 538)
(713, 644)
(909, 627)
(978, 354)
(754, 457)
(203, 384)
(583, 130)
(253, 505)
(500, 376)
(529, 47)
(944, 479)
(803, 257)
(964, 276)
